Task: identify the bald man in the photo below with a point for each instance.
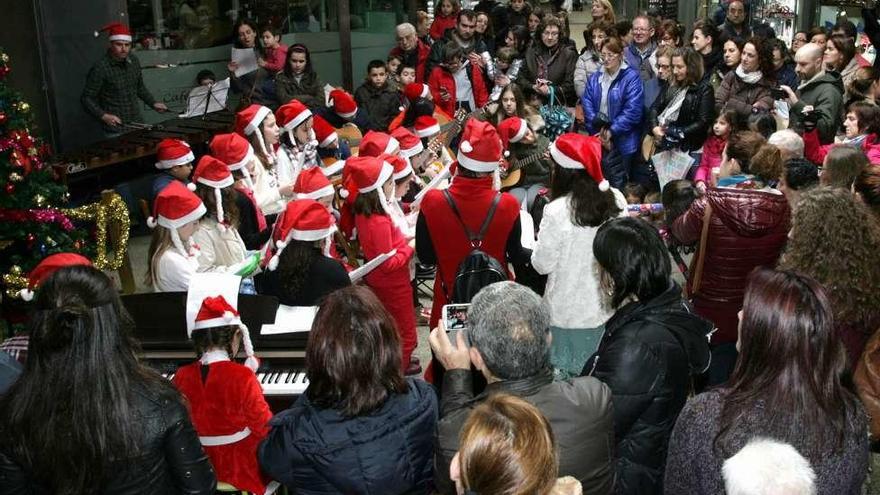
(821, 91)
(411, 49)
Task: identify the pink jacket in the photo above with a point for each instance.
(712, 149)
(275, 58)
(816, 152)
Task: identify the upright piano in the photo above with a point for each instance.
(160, 322)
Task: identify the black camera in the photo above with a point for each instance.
(672, 138)
(778, 94)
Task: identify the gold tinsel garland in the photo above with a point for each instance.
(110, 215)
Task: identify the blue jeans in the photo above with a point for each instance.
(616, 167)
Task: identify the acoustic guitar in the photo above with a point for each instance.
(512, 173)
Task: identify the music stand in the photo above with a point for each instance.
(203, 100)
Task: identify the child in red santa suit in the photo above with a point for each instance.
(370, 181)
(173, 254)
(225, 399)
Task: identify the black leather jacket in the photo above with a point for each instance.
(696, 116)
(171, 460)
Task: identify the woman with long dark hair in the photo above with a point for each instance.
(786, 386)
(253, 86)
(360, 427)
(578, 206)
(840, 57)
(652, 347)
(298, 80)
(86, 416)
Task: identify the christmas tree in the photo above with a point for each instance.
(31, 224)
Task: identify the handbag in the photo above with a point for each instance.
(700, 260)
(557, 120)
(649, 146)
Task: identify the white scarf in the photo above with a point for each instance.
(750, 77)
(670, 113)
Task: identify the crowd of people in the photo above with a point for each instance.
(520, 175)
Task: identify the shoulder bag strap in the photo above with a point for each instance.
(701, 253)
(451, 202)
(489, 215)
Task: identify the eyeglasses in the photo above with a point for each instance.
(609, 55)
(551, 34)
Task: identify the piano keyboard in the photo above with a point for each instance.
(283, 382)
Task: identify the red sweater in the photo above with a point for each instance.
(377, 235)
(275, 58)
(442, 78)
(423, 51)
(227, 402)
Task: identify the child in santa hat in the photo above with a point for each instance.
(527, 152)
(238, 155)
(174, 159)
(370, 181)
(225, 399)
(342, 109)
(302, 270)
(299, 147)
(173, 254)
(221, 247)
(330, 149)
(257, 124)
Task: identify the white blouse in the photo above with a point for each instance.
(564, 252)
(174, 271)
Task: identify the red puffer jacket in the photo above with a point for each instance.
(747, 229)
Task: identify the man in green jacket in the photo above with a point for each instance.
(819, 92)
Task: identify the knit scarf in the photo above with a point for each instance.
(544, 65)
(748, 77)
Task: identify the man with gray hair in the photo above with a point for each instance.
(790, 143)
(818, 102)
(412, 51)
(509, 333)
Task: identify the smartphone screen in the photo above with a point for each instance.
(456, 316)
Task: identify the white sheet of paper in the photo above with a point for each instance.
(246, 58)
(527, 223)
(291, 319)
(369, 266)
(434, 184)
(209, 284)
(206, 99)
(327, 89)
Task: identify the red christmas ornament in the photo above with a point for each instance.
(31, 238)
(10, 188)
(3, 118)
(4, 70)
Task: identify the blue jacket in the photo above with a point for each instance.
(645, 67)
(625, 107)
(313, 451)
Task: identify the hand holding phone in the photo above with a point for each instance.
(778, 93)
(455, 319)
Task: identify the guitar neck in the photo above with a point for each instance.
(534, 157)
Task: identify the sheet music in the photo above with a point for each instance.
(206, 99)
(434, 184)
(246, 58)
(291, 319)
(362, 271)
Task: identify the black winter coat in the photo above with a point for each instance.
(314, 451)
(646, 357)
(171, 460)
(308, 90)
(381, 104)
(695, 117)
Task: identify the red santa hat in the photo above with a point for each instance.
(213, 173)
(363, 174)
(375, 143)
(235, 151)
(512, 130)
(312, 184)
(343, 104)
(324, 132)
(410, 144)
(303, 220)
(414, 91)
(248, 122)
(175, 207)
(49, 265)
(211, 302)
(426, 126)
(401, 168)
(480, 147)
(290, 115)
(576, 151)
(116, 31)
(173, 152)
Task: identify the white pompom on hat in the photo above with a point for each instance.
(576, 151)
(512, 130)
